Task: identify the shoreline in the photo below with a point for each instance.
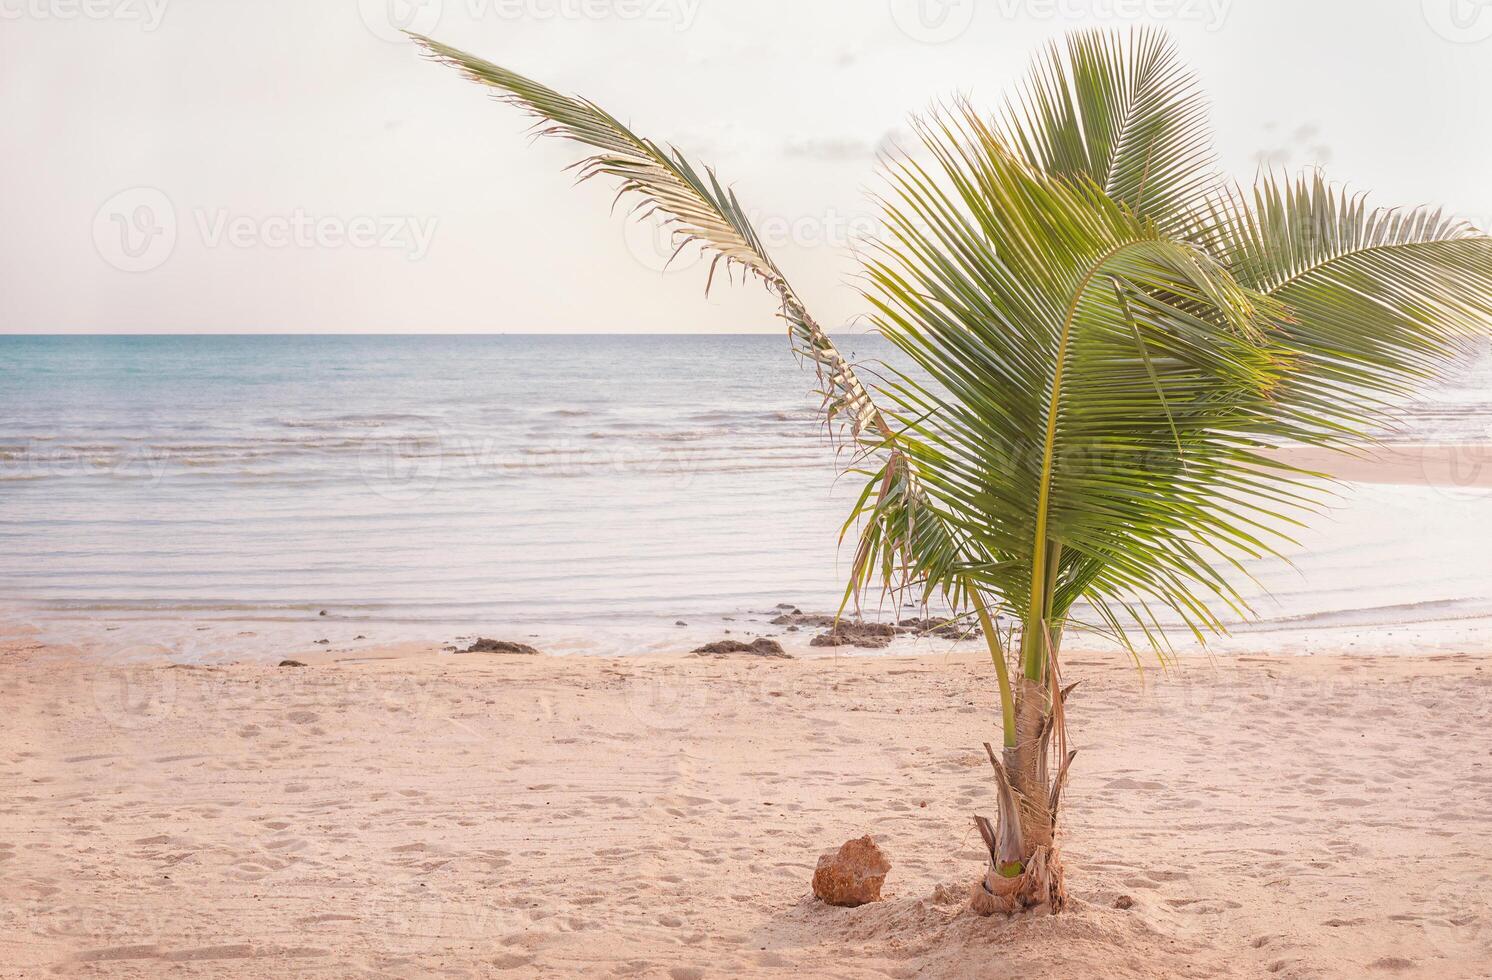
(660, 815)
(1433, 627)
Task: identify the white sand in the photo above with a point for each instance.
(461, 816)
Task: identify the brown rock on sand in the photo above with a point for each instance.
(871, 635)
(852, 875)
(484, 645)
(761, 647)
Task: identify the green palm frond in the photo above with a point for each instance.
(1091, 425)
(1121, 111)
(1378, 298)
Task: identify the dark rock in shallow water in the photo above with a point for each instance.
(872, 636)
(796, 618)
(484, 645)
(761, 647)
(291, 663)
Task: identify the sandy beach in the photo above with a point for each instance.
(678, 490)
(416, 814)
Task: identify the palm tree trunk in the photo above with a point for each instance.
(1025, 867)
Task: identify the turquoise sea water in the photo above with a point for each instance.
(444, 479)
(591, 491)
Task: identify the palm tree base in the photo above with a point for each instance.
(1039, 888)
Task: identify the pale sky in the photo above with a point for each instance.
(278, 165)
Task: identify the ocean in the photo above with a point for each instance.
(196, 496)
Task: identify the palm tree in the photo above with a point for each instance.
(1108, 341)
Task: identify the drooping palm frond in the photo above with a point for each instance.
(1378, 298)
(1121, 111)
(699, 211)
(694, 208)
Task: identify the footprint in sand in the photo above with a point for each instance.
(511, 961)
(1126, 783)
(1392, 964)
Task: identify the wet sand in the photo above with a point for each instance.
(1455, 466)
